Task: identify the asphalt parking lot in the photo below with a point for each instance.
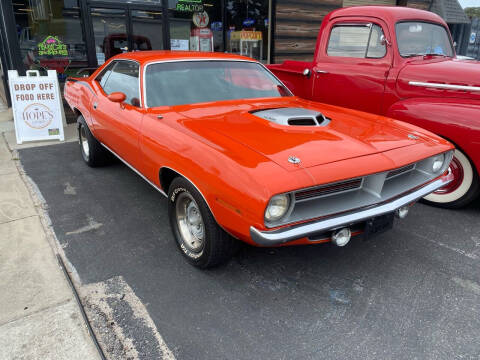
(413, 292)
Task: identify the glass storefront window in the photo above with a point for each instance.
(110, 32)
(147, 30)
(50, 35)
(247, 28)
(196, 25)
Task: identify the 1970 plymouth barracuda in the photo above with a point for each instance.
(398, 62)
(239, 157)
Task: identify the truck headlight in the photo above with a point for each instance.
(438, 162)
(277, 207)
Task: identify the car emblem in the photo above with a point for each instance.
(293, 160)
(413, 137)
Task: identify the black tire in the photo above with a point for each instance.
(93, 153)
(216, 246)
(464, 190)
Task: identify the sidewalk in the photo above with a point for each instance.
(39, 316)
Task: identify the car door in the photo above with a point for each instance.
(117, 125)
(353, 66)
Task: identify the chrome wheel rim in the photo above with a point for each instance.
(84, 141)
(190, 222)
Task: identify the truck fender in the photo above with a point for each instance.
(449, 118)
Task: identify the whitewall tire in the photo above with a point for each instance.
(462, 190)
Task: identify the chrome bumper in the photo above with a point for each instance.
(295, 232)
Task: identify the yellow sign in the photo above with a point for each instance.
(246, 35)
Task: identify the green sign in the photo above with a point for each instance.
(190, 5)
(52, 46)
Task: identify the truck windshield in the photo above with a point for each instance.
(421, 38)
(191, 82)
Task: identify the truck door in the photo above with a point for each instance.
(352, 64)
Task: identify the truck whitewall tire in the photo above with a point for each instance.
(464, 191)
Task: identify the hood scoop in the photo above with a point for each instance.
(293, 116)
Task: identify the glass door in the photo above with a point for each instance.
(147, 30)
(120, 28)
(196, 25)
(110, 32)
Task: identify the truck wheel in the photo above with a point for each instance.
(198, 236)
(93, 153)
(462, 190)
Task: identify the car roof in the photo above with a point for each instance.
(158, 55)
(390, 14)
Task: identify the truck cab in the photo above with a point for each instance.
(398, 62)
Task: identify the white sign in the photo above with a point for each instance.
(37, 106)
(178, 44)
(200, 19)
(473, 37)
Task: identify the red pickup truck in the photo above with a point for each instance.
(398, 62)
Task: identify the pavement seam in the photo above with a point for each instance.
(21, 218)
(45, 308)
(6, 143)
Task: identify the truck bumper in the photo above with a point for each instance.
(294, 232)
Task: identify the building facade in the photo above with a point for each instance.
(74, 36)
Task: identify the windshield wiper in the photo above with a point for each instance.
(434, 54)
(423, 54)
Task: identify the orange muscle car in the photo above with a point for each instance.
(239, 157)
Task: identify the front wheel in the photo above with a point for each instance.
(198, 236)
(462, 190)
(93, 153)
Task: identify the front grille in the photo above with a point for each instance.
(400, 171)
(364, 191)
(329, 189)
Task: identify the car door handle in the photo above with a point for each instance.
(95, 105)
(321, 71)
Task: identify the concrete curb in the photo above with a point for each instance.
(40, 316)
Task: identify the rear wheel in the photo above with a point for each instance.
(462, 190)
(93, 153)
(198, 236)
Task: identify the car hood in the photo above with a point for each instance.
(441, 71)
(349, 134)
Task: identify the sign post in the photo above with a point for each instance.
(37, 106)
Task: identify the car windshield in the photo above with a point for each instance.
(420, 38)
(191, 82)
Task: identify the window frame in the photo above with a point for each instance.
(114, 64)
(369, 24)
(111, 64)
(450, 40)
(145, 66)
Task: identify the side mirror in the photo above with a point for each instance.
(117, 97)
(384, 41)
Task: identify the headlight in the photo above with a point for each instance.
(438, 162)
(277, 207)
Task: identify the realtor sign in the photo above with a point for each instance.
(37, 106)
